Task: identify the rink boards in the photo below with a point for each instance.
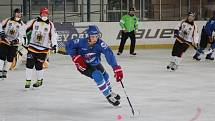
(153, 34)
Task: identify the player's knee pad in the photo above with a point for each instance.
(10, 58)
(30, 64)
(30, 61)
(177, 53)
(3, 57)
(39, 66)
(98, 77)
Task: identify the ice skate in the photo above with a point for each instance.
(170, 65)
(116, 96)
(196, 57)
(209, 57)
(174, 67)
(27, 84)
(112, 100)
(38, 83)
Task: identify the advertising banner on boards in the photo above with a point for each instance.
(149, 33)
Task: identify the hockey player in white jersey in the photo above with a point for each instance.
(12, 34)
(43, 38)
(188, 31)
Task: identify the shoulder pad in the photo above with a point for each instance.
(103, 44)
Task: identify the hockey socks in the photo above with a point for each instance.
(101, 83)
(106, 78)
(104, 86)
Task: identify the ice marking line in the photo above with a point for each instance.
(198, 113)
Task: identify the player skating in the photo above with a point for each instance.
(42, 37)
(86, 52)
(207, 37)
(12, 34)
(188, 31)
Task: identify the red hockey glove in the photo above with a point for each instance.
(79, 62)
(118, 74)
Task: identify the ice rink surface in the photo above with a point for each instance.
(185, 95)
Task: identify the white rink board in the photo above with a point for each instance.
(110, 31)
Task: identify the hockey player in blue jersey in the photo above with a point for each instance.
(86, 52)
(207, 37)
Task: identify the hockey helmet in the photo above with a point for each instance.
(17, 10)
(191, 14)
(93, 30)
(44, 10)
(131, 9)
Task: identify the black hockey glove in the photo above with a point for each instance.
(54, 49)
(2, 35)
(14, 42)
(176, 32)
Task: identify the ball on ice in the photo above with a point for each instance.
(119, 117)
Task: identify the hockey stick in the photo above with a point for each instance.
(182, 40)
(132, 109)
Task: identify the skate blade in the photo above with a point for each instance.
(35, 88)
(118, 106)
(170, 70)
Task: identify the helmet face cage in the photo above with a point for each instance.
(99, 35)
(44, 10)
(191, 14)
(17, 10)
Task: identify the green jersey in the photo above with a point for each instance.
(129, 23)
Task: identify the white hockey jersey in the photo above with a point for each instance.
(43, 35)
(188, 31)
(14, 29)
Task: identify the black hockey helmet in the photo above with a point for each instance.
(17, 10)
(131, 9)
(191, 14)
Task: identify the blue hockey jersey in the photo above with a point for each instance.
(92, 54)
(210, 27)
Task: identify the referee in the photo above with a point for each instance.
(129, 25)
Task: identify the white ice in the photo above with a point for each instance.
(158, 94)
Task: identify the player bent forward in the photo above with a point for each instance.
(186, 29)
(86, 52)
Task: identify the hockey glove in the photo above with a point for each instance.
(2, 35)
(14, 42)
(118, 74)
(79, 62)
(54, 49)
(176, 32)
